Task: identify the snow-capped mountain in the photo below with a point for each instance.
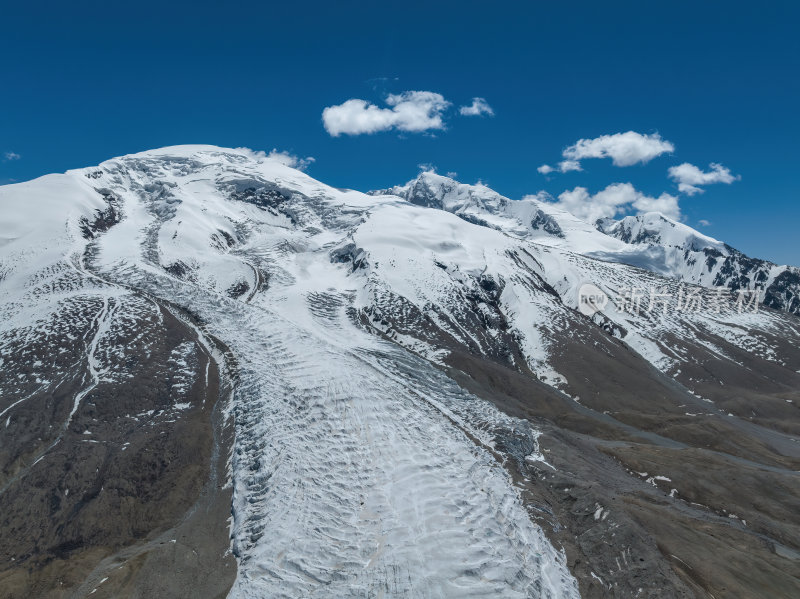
(391, 394)
(697, 258)
(529, 218)
(651, 241)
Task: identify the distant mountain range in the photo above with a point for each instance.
(650, 241)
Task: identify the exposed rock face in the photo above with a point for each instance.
(391, 394)
(547, 223)
(109, 468)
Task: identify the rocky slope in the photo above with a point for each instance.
(394, 396)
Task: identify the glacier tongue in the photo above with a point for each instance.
(352, 479)
(358, 468)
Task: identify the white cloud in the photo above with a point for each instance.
(704, 223)
(616, 199)
(414, 111)
(291, 160)
(426, 167)
(540, 196)
(478, 107)
(624, 149)
(11, 156)
(564, 166)
(688, 177)
(603, 204)
(666, 204)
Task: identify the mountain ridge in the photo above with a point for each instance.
(651, 240)
(414, 402)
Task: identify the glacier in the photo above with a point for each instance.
(359, 466)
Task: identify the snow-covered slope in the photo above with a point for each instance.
(359, 467)
(651, 241)
(529, 218)
(697, 258)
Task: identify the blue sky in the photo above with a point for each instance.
(82, 82)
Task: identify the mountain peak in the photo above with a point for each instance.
(656, 229)
(445, 193)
